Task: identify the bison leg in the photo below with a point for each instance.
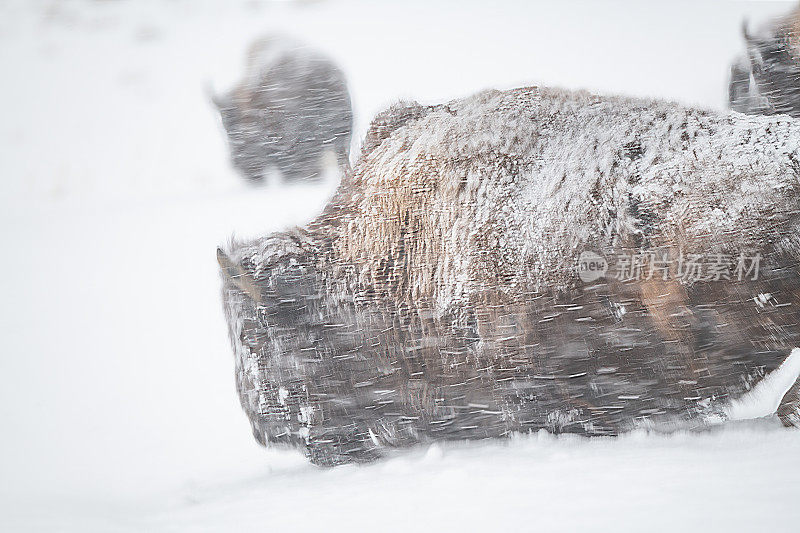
(739, 87)
(789, 408)
(306, 169)
(343, 159)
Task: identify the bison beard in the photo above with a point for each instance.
(436, 297)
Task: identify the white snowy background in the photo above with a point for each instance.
(117, 403)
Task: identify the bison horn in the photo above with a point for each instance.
(754, 43)
(745, 32)
(221, 102)
(236, 275)
(755, 46)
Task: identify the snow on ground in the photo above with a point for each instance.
(117, 404)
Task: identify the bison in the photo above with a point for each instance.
(767, 81)
(291, 108)
(524, 260)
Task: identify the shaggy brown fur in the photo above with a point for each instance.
(437, 296)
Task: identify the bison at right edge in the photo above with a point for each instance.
(767, 80)
(438, 296)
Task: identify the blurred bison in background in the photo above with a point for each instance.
(290, 110)
(438, 296)
(767, 81)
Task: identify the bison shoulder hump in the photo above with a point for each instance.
(388, 121)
